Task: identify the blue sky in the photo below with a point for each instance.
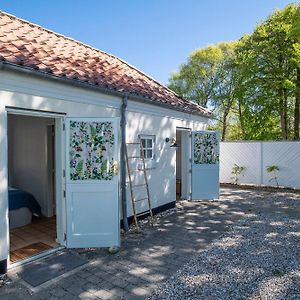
(156, 36)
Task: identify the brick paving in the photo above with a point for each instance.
(147, 259)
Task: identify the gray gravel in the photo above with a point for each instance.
(258, 259)
(4, 280)
(143, 223)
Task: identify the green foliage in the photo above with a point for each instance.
(197, 79)
(79, 167)
(209, 79)
(253, 84)
(273, 170)
(237, 171)
(267, 65)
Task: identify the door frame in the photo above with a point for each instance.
(186, 175)
(59, 178)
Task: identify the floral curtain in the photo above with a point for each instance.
(206, 148)
(91, 150)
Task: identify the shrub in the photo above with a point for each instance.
(237, 171)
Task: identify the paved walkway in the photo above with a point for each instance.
(147, 259)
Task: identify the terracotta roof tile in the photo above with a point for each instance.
(24, 43)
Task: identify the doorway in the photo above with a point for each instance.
(32, 191)
(183, 164)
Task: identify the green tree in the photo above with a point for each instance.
(198, 78)
(252, 85)
(294, 34)
(268, 60)
(209, 79)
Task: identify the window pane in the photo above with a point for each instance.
(149, 153)
(144, 143)
(149, 144)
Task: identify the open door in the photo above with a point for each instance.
(92, 202)
(205, 165)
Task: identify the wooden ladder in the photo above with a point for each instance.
(133, 186)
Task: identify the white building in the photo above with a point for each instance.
(63, 106)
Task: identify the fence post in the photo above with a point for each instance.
(261, 163)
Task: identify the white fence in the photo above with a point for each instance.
(256, 156)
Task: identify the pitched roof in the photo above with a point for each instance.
(26, 44)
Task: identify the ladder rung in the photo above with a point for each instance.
(137, 155)
(140, 199)
(136, 170)
(138, 185)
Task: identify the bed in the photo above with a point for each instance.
(22, 205)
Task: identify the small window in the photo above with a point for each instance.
(148, 142)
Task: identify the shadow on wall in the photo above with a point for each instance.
(161, 175)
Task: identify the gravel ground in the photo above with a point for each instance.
(4, 280)
(258, 259)
(143, 223)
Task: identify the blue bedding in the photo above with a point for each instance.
(19, 199)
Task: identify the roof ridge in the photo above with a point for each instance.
(90, 47)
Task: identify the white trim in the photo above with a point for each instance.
(60, 181)
(151, 137)
(4, 210)
(183, 129)
(35, 257)
(33, 113)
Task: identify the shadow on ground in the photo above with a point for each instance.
(148, 259)
(258, 259)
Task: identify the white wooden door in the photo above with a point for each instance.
(92, 202)
(205, 165)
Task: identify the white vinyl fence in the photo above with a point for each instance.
(256, 156)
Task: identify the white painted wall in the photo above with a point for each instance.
(41, 94)
(162, 178)
(256, 156)
(28, 157)
(178, 155)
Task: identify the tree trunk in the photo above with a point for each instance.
(224, 127)
(297, 107)
(285, 109)
(241, 120)
(283, 112)
(282, 103)
(224, 121)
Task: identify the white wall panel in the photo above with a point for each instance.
(256, 156)
(285, 155)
